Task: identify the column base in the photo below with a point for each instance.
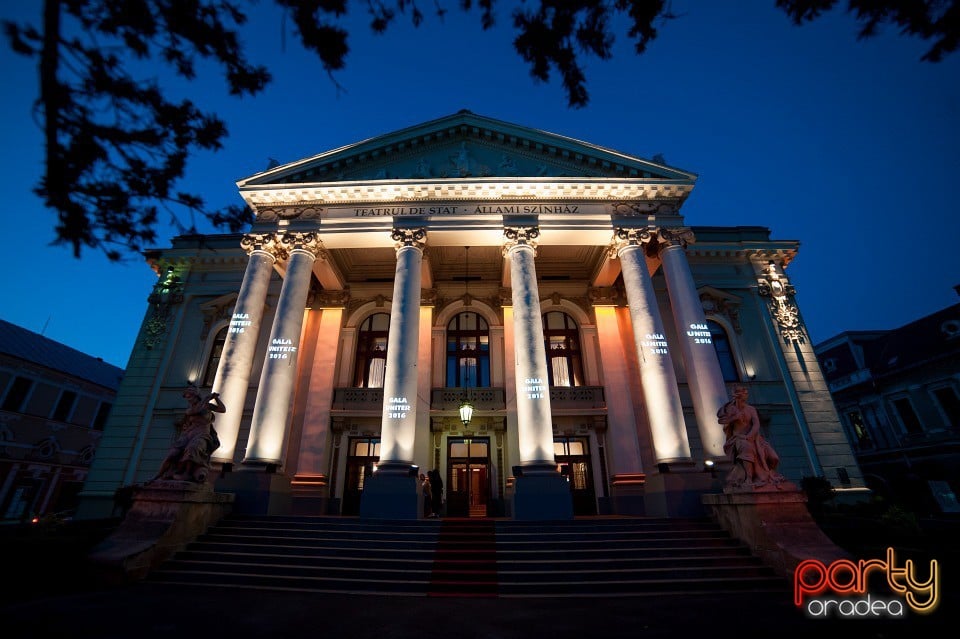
(257, 492)
(776, 525)
(627, 494)
(541, 497)
(391, 495)
(678, 493)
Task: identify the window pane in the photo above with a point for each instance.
(215, 354)
(559, 449)
(576, 448)
(478, 449)
(909, 418)
(468, 357)
(561, 341)
(721, 343)
(458, 449)
(947, 397)
(378, 368)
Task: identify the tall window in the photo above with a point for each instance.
(468, 351)
(721, 343)
(561, 338)
(908, 417)
(864, 442)
(215, 354)
(372, 351)
(16, 394)
(64, 406)
(949, 404)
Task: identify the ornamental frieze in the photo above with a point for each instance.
(276, 213)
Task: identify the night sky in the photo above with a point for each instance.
(848, 146)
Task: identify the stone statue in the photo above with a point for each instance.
(189, 456)
(754, 459)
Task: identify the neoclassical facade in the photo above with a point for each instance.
(551, 285)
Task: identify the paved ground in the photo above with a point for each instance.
(146, 611)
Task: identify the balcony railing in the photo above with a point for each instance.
(371, 399)
(481, 398)
(577, 397)
(358, 399)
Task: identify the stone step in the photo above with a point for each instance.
(476, 558)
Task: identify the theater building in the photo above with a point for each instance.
(530, 314)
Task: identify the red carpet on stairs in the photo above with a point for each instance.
(465, 560)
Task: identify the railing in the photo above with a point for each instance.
(358, 399)
(577, 397)
(371, 399)
(481, 398)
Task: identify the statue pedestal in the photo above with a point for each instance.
(776, 525)
(165, 516)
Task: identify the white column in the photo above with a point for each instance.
(534, 419)
(704, 377)
(657, 377)
(268, 428)
(399, 424)
(236, 362)
(540, 492)
(393, 492)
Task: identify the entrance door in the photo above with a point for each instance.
(468, 476)
(573, 462)
(364, 453)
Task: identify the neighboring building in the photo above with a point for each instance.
(550, 283)
(54, 403)
(898, 392)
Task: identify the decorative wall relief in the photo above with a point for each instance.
(167, 293)
(774, 285)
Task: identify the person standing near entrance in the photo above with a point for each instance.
(427, 495)
(436, 489)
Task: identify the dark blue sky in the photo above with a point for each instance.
(850, 147)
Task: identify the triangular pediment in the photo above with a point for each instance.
(465, 145)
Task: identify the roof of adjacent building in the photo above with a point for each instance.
(926, 339)
(21, 343)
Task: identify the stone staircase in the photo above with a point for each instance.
(602, 556)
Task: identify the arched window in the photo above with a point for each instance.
(372, 351)
(468, 351)
(721, 343)
(215, 354)
(561, 338)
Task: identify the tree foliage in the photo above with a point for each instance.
(117, 144)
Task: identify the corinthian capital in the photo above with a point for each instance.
(266, 242)
(675, 236)
(520, 236)
(304, 241)
(626, 237)
(416, 238)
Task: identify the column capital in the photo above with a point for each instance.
(520, 236)
(675, 236)
(624, 238)
(416, 238)
(263, 242)
(304, 241)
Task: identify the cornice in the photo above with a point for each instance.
(479, 189)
